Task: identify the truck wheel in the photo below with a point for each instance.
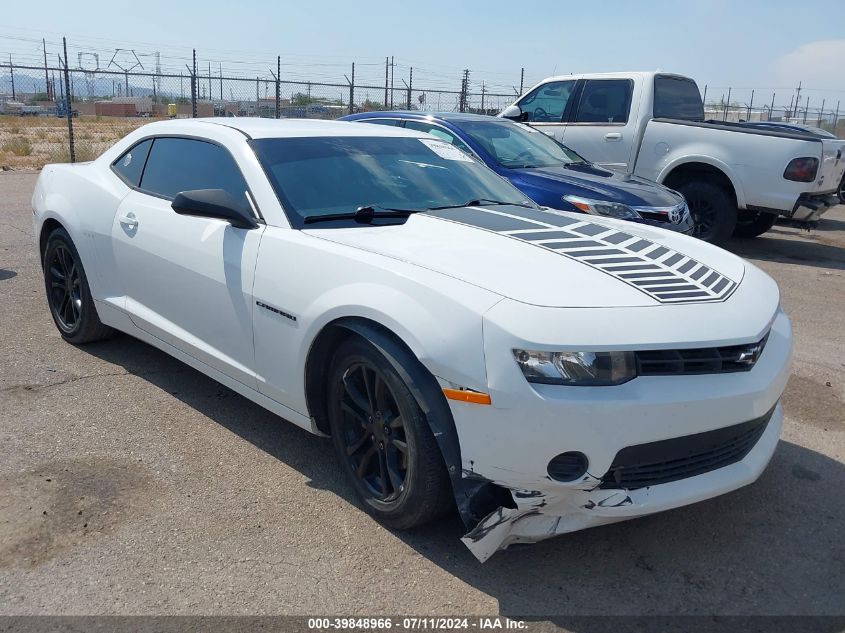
(842, 190)
(753, 223)
(712, 208)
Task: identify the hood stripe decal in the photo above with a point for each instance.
(676, 277)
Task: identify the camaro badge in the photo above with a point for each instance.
(658, 271)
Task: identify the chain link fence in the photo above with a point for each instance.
(59, 114)
(83, 112)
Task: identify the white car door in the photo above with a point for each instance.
(601, 127)
(188, 280)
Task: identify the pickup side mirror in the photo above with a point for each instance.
(513, 112)
(213, 203)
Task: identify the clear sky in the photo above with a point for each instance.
(767, 45)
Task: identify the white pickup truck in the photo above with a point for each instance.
(737, 179)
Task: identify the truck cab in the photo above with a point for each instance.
(737, 179)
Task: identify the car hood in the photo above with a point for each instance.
(554, 258)
(591, 181)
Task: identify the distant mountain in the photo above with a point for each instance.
(102, 87)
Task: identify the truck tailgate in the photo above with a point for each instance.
(832, 166)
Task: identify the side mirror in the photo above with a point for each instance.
(512, 112)
(213, 203)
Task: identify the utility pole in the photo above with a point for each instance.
(771, 109)
(391, 81)
(821, 114)
(806, 108)
(386, 66)
(462, 101)
(46, 76)
(210, 94)
(220, 66)
(410, 86)
(68, 107)
(521, 80)
(351, 83)
(194, 87)
(278, 86)
(482, 97)
(727, 105)
(750, 105)
(12, 72)
(797, 99)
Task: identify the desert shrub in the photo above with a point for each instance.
(18, 145)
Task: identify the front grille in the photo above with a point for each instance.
(705, 360)
(661, 462)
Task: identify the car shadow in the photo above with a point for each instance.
(779, 245)
(775, 547)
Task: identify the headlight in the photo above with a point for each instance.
(602, 207)
(576, 368)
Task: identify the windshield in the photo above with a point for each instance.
(315, 176)
(516, 146)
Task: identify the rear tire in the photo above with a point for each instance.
(383, 440)
(753, 223)
(68, 293)
(713, 210)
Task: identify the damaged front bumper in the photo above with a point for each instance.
(510, 492)
(542, 514)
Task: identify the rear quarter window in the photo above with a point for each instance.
(677, 98)
(130, 165)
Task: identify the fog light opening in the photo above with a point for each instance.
(568, 466)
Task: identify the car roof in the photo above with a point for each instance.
(443, 116)
(256, 128)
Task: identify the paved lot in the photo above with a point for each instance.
(132, 484)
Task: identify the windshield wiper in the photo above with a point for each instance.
(477, 202)
(362, 215)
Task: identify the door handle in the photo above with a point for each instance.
(613, 136)
(129, 221)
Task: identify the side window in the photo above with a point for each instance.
(439, 132)
(548, 102)
(677, 98)
(131, 163)
(605, 101)
(181, 164)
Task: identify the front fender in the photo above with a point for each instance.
(316, 282)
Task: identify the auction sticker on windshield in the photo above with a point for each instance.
(444, 150)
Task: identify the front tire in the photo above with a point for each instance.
(383, 440)
(68, 293)
(712, 208)
(753, 223)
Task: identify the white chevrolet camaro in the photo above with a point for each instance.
(542, 371)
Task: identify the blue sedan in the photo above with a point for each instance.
(544, 170)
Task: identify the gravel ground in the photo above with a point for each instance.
(132, 484)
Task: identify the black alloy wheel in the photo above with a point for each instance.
(68, 295)
(373, 432)
(64, 289)
(381, 435)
